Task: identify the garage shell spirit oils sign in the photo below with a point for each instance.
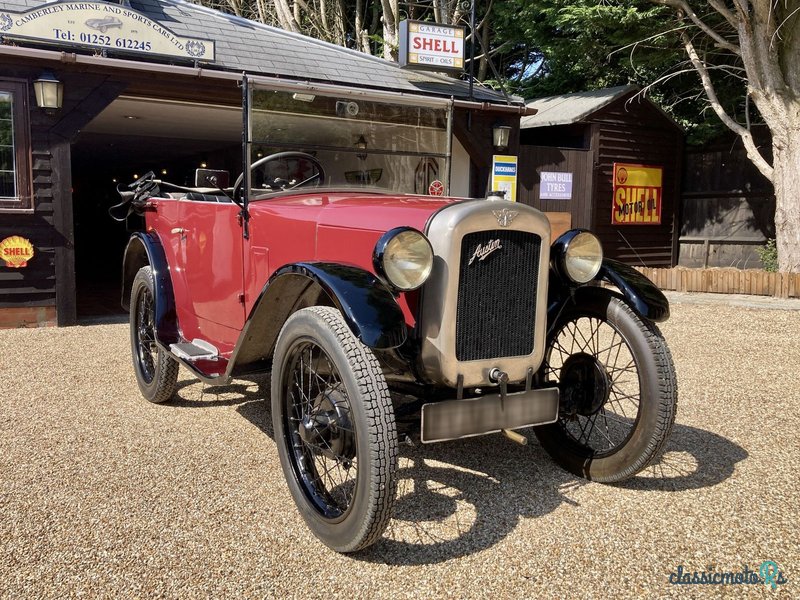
(110, 27)
(431, 46)
(638, 193)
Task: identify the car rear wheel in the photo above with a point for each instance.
(335, 429)
(617, 388)
(156, 371)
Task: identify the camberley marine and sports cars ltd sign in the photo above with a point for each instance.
(99, 25)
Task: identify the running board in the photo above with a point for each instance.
(194, 350)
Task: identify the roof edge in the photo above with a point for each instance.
(330, 46)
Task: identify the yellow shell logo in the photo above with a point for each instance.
(16, 251)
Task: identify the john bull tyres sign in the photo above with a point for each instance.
(99, 25)
(638, 192)
(555, 185)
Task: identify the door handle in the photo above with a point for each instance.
(180, 230)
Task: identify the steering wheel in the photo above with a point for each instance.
(284, 184)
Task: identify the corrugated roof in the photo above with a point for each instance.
(243, 45)
(572, 108)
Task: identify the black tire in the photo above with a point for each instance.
(156, 371)
(337, 438)
(618, 388)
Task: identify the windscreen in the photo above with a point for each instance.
(304, 140)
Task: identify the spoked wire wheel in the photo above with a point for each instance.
(335, 429)
(617, 388)
(156, 371)
(598, 378)
(144, 332)
(320, 431)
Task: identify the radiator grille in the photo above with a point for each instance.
(496, 312)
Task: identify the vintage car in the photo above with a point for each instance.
(104, 24)
(367, 303)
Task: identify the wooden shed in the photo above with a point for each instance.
(608, 161)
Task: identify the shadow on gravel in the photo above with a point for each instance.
(240, 392)
(459, 498)
(693, 458)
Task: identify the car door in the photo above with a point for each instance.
(213, 268)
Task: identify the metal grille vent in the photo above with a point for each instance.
(497, 285)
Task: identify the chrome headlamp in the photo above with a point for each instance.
(577, 255)
(403, 257)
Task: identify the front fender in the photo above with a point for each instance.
(145, 249)
(641, 293)
(367, 304)
(634, 288)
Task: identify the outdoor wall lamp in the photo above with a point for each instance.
(49, 92)
(361, 146)
(500, 136)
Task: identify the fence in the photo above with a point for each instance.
(725, 281)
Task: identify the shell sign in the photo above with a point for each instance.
(638, 193)
(16, 251)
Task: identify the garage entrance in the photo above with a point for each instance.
(132, 136)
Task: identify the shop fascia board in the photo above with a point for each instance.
(272, 83)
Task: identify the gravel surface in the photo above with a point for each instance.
(105, 495)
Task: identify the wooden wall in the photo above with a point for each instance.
(34, 285)
(49, 279)
(636, 132)
(728, 207)
(473, 130)
(535, 159)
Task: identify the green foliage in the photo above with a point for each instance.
(768, 253)
(577, 45)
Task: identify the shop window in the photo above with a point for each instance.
(15, 192)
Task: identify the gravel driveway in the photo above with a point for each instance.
(105, 495)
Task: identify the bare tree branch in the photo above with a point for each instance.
(722, 9)
(747, 138)
(683, 6)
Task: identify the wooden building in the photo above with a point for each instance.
(155, 85)
(568, 153)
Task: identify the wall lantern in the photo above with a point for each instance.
(361, 145)
(49, 92)
(500, 136)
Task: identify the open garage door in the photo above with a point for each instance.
(129, 138)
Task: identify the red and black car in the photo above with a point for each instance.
(321, 266)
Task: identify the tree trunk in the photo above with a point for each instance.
(391, 34)
(483, 65)
(786, 179)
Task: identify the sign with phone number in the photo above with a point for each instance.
(638, 191)
(101, 25)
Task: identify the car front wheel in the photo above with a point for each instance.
(335, 429)
(617, 389)
(156, 371)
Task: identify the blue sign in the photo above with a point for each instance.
(505, 169)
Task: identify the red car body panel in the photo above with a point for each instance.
(218, 276)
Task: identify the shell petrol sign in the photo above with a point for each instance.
(638, 194)
(433, 46)
(16, 251)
